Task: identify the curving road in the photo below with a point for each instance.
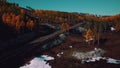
(31, 46)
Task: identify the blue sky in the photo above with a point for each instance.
(99, 7)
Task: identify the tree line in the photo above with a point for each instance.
(14, 16)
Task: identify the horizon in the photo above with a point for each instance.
(96, 7)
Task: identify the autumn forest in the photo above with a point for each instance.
(26, 32)
(15, 17)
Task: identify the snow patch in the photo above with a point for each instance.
(94, 59)
(93, 56)
(46, 57)
(114, 61)
(70, 46)
(59, 54)
(112, 28)
(108, 60)
(97, 52)
(39, 62)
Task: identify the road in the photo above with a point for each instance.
(31, 46)
(41, 39)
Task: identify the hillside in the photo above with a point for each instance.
(26, 33)
(18, 20)
(63, 57)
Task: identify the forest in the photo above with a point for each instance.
(27, 33)
(16, 20)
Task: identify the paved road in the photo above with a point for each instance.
(31, 46)
(41, 39)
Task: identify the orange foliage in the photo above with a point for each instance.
(80, 18)
(17, 17)
(4, 16)
(13, 20)
(8, 20)
(22, 11)
(117, 26)
(30, 24)
(60, 19)
(65, 26)
(22, 23)
(37, 12)
(17, 26)
(62, 26)
(89, 35)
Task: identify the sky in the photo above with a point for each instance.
(99, 7)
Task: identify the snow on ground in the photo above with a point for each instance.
(92, 56)
(39, 62)
(112, 28)
(114, 61)
(108, 60)
(70, 47)
(93, 59)
(46, 57)
(59, 54)
(97, 52)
